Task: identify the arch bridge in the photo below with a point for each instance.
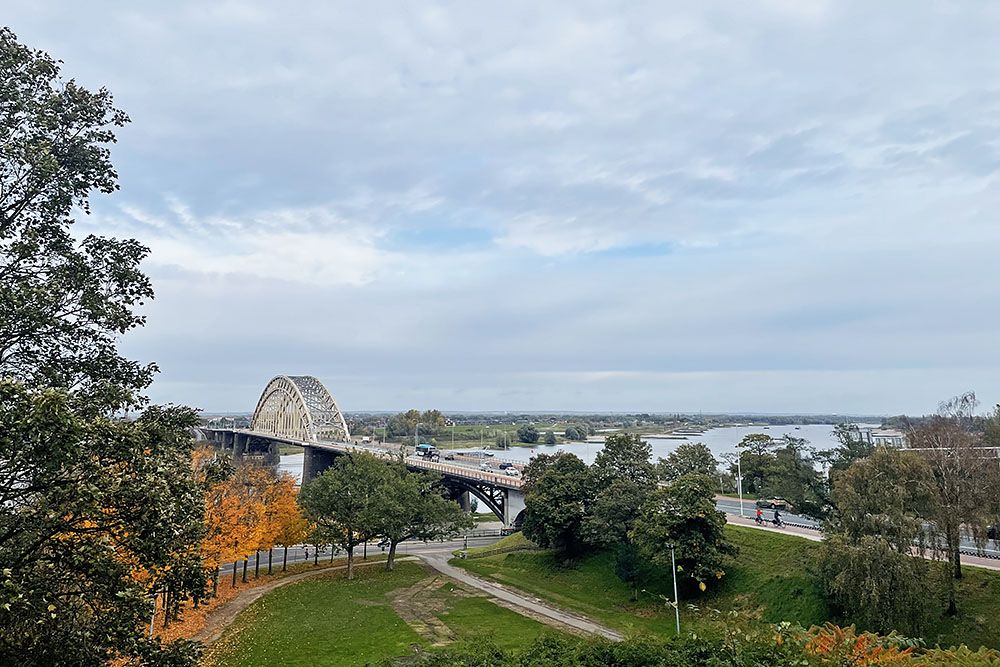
(299, 410)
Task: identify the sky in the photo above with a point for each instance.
(774, 206)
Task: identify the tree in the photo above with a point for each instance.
(556, 492)
(550, 438)
(235, 516)
(875, 585)
(411, 506)
(292, 526)
(792, 475)
(343, 502)
(284, 523)
(527, 433)
(96, 513)
(628, 566)
(684, 515)
(756, 459)
(577, 432)
(851, 448)
(64, 302)
(690, 457)
(622, 478)
(965, 479)
(890, 494)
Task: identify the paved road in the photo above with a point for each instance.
(732, 508)
(299, 553)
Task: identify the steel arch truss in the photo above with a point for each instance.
(492, 496)
(299, 407)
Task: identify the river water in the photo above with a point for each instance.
(719, 440)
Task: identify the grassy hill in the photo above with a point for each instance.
(772, 576)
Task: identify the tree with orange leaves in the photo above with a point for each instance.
(289, 526)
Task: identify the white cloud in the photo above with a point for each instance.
(789, 187)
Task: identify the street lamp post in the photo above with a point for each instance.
(739, 480)
(416, 436)
(677, 602)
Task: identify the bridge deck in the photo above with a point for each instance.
(447, 469)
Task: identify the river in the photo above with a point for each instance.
(720, 440)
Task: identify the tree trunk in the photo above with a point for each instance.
(284, 562)
(390, 561)
(256, 564)
(270, 554)
(350, 562)
(245, 562)
(235, 564)
(215, 582)
(315, 554)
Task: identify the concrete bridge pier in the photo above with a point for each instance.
(240, 442)
(464, 500)
(273, 455)
(513, 508)
(315, 461)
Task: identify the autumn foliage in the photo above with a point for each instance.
(247, 509)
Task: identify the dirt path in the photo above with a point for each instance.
(220, 619)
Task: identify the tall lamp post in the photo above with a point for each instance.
(739, 479)
(416, 436)
(677, 602)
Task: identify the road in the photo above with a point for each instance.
(731, 506)
(298, 554)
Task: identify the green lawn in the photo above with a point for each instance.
(772, 575)
(331, 621)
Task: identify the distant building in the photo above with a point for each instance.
(886, 437)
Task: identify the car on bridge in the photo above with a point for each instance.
(512, 471)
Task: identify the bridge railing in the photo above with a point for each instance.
(462, 471)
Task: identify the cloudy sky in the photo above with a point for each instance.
(777, 206)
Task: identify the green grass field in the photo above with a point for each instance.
(331, 621)
(772, 575)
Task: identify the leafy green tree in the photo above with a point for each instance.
(684, 515)
(756, 461)
(628, 566)
(792, 475)
(344, 502)
(852, 447)
(875, 585)
(622, 479)
(410, 507)
(550, 438)
(527, 433)
(556, 493)
(97, 512)
(64, 302)
(890, 494)
(690, 457)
